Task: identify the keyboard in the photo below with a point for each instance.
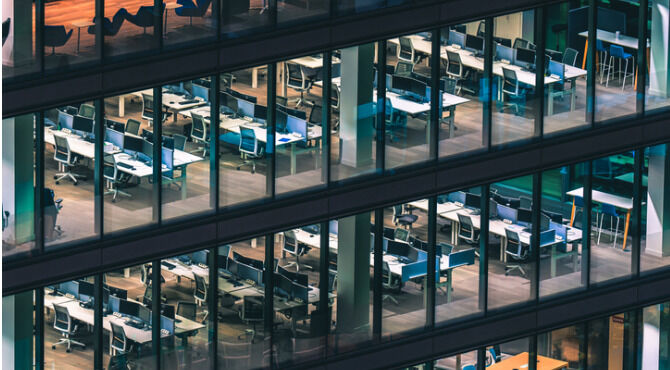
(476, 212)
(235, 283)
(188, 102)
(168, 265)
(202, 265)
(135, 323)
(125, 165)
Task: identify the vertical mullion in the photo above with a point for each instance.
(99, 35)
(586, 228)
(156, 312)
(540, 20)
(268, 313)
(97, 322)
(535, 235)
(590, 64)
(377, 276)
(216, 16)
(636, 224)
(532, 351)
(157, 155)
(429, 289)
(159, 10)
(270, 139)
(481, 358)
(212, 303)
(98, 163)
(488, 84)
(325, 117)
(483, 250)
(381, 106)
(324, 279)
(641, 77)
(584, 346)
(38, 211)
(39, 329)
(435, 96)
(215, 117)
(39, 34)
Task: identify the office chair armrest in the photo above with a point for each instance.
(57, 201)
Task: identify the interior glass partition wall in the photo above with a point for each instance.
(18, 185)
(461, 75)
(19, 56)
(130, 28)
(513, 89)
(407, 106)
(244, 160)
(185, 148)
(69, 33)
(292, 12)
(562, 348)
(69, 180)
(240, 17)
(611, 342)
(655, 198)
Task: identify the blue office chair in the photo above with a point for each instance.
(469, 367)
(513, 91)
(608, 210)
(110, 28)
(190, 9)
(250, 148)
(143, 18)
(601, 59)
(55, 36)
(618, 54)
(403, 219)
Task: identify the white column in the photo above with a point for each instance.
(658, 202)
(659, 58)
(17, 331)
(353, 272)
(18, 49)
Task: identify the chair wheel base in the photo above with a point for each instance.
(57, 182)
(68, 350)
(53, 347)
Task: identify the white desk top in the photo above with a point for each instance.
(172, 101)
(610, 37)
(233, 125)
(314, 240)
(441, 207)
(312, 62)
(605, 198)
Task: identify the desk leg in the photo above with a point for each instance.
(449, 271)
(553, 261)
(254, 78)
(122, 106)
(586, 48)
(550, 102)
(572, 214)
(79, 40)
(573, 94)
(183, 183)
(503, 243)
(452, 119)
(293, 158)
(625, 232)
(575, 256)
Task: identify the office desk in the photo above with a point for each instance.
(314, 240)
(441, 207)
(186, 271)
(605, 198)
(520, 361)
(171, 101)
(610, 38)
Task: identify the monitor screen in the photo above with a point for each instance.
(147, 149)
(280, 121)
(239, 95)
(507, 213)
(69, 287)
(401, 83)
(105, 296)
(200, 91)
(144, 314)
(544, 222)
(246, 272)
(114, 304)
(114, 137)
(114, 125)
(231, 102)
(524, 215)
(132, 144)
(293, 112)
(245, 108)
(284, 285)
(232, 266)
(200, 257)
(417, 88)
(456, 38)
(493, 208)
(293, 276)
(504, 52)
(86, 290)
(167, 324)
(401, 234)
(457, 197)
(129, 308)
(296, 125)
(525, 56)
(474, 43)
(167, 310)
(82, 124)
(260, 112)
(167, 157)
(472, 200)
(397, 248)
(248, 261)
(300, 292)
(65, 120)
(118, 292)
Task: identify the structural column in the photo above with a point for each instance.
(659, 60)
(356, 107)
(353, 273)
(18, 49)
(17, 331)
(658, 202)
(656, 337)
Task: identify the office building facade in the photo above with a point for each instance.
(288, 184)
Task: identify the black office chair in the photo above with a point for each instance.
(200, 292)
(389, 282)
(570, 57)
(200, 133)
(456, 71)
(66, 160)
(55, 36)
(119, 344)
(297, 81)
(515, 250)
(118, 362)
(467, 231)
(67, 326)
(179, 142)
(293, 247)
(513, 91)
(148, 109)
(251, 312)
(403, 68)
(113, 177)
(481, 29)
(403, 219)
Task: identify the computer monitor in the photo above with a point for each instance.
(86, 290)
(114, 125)
(544, 222)
(474, 43)
(472, 200)
(507, 213)
(457, 197)
(200, 91)
(82, 124)
(556, 69)
(248, 261)
(525, 57)
(245, 108)
(280, 121)
(147, 149)
(247, 272)
(129, 308)
(260, 112)
(114, 304)
(504, 53)
(144, 314)
(418, 88)
(284, 286)
(147, 135)
(167, 157)
(200, 257)
(332, 227)
(556, 217)
(296, 125)
(493, 208)
(456, 38)
(239, 95)
(105, 297)
(401, 234)
(300, 292)
(524, 216)
(401, 83)
(65, 120)
(167, 310)
(293, 276)
(232, 266)
(114, 137)
(293, 112)
(132, 144)
(117, 292)
(231, 102)
(397, 248)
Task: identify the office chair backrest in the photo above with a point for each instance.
(510, 82)
(236, 355)
(315, 114)
(406, 49)
(445, 248)
(109, 169)
(118, 337)
(609, 210)
(132, 126)
(448, 85)
(187, 310)
(290, 243)
(617, 51)
(62, 152)
(455, 67)
(200, 291)
(481, 29)
(335, 97)
(466, 221)
(118, 362)
(513, 246)
(296, 79)
(62, 320)
(252, 308)
(87, 110)
(147, 106)
(521, 43)
(386, 273)
(248, 141)
(403, 68)
(198, 130)
(570, 56)
(147, 298)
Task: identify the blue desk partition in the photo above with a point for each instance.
(547, 237)
(461, 258)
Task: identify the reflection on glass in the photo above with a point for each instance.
(127, 302)
(404, 271)
(655, 206)
(562, 347)
(616, 46)
(612, 203)
(188, 21)
(457, 250)
(298, 124)
(239, 17)
(565, 87)
(656, 87)
(407, 112)
(353, 112)
(184, 311)
(514, 87)
(243, 342)
(511, 261)
(69, 192)
(293, 12)
(611, 342)
(361, 6)
(352, 265)
(654, 348)
(69, 33)
(18, 46)
(511, 354)
(18, 316)
(244, 163)
(130, 29)
(126, 170)
(18, 185)
(184, 148)
(461, 361)
(560, 264)
(69, 326)
(299, 333)
(460, 77)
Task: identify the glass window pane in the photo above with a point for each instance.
(240, 17)
(69, 181)
(69, 326)
(654, 351)
(407, 100)
(655, 211)
(351, 326)
(461, 361)
(18, 185)
(514, 90)
(656, 88)
(69, 33)
(565, 88)
(457, 289)
(560, 265)
(612, 203)
(511, 258)
(185, 148)
(18, 50)
(289, 13)
(616, 48)
(404, 271)
(563, 348)
(129, 194)
(244, 165)
(129, 300)
(184, 300)
(187, 22)
(353, 112)
(243, 342)
(299, 332)
(130, 29)
(298, 141)
(512, 354)
(18, 330)
(611, 343)
(460, 78)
